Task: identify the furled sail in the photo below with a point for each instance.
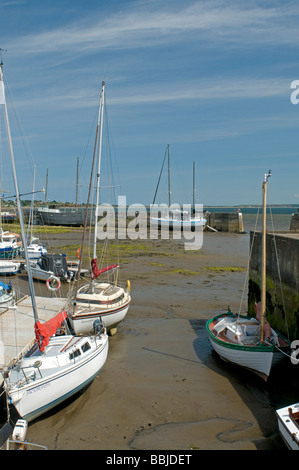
(96, 272)
(43, 331)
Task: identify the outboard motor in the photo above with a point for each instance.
(98, 326)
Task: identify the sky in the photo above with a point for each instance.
(211, 79)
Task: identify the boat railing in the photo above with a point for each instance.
(12, 444)
(30, 373)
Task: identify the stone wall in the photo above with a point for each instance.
(226, 221)
(295, 221)
(282, 281)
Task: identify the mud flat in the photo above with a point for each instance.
(162, 387)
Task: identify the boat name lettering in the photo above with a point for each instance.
(39, 388)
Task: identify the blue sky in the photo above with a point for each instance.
(210, 78)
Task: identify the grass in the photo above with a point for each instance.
(185, 272)
(224, 268)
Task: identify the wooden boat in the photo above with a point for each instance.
(288, 425)
(107, 300)
(54, 365)
(249, 342)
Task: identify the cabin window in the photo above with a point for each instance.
(85, 347)
(74, 354)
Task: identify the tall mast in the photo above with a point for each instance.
(263, 273)
(32, 209)
(46, 192)
(23, 233)
(98, 172)
(169, 190)
(77, 183)
(87, 205)
(193, 190)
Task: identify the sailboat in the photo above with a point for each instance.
(250, 342)
(288, 425)
(54, 365)
(7, 295)
(106, 300)
(35, 250)
(175, 218)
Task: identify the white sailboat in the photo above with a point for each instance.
(175, 218)
(106, 300)
(250, 342)
(7, 295)
(35, 250)
(55, 365)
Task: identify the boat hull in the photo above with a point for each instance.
(260, 358)
(67, 218)
(179, 225)
(288, 429)
(35, 399)
(9, 267)
(83, 322)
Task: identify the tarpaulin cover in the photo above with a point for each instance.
(6, 286)
(96, 272)
(43, 331)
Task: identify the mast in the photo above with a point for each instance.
(77, 184)
(169, 190)
(31, 288)
(99, 171)
(98, 174)
(263, 273)
(32, 205)
(46, 192)
(87, 205)
(193, 190)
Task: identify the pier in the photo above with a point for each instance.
(17, 324)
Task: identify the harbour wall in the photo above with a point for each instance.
(226, 221)
(282, 280)
(219, 221)
(295, 221)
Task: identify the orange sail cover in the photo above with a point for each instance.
(96, 272)
(43, 331)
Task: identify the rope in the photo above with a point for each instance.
(248, 263)
(283, 352)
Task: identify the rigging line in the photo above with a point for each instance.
(248, 262)
(160, 176)
(111, 146)
(19, 126)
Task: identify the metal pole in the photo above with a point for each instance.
(20, 211)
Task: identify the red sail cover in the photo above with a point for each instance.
(43, 331)
(267, 327)
(96, 272)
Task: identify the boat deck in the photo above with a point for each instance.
(248, 342)
(17, 324)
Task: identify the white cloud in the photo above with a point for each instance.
(143, 27)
